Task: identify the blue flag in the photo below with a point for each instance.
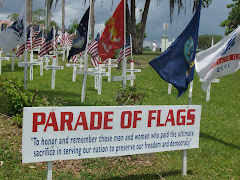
(80, 39)
(176, 64)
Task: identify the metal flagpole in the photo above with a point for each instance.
(184, 152)
(86, 61)
(124, 62)
(25, 52)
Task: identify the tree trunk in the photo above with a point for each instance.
(49, 17)
(137, 41)
(29, 11)
(63, 15)
(92, 19)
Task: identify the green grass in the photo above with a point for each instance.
(218, 156)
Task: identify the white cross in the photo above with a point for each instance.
(169, 88)
(28, 64)
(54, 67)
(99, 73)
(74, 66)
(109, 66)
(41, 60)
(2, 58)
(13, 56)
(209, 87)
(95, 76)
(132, 70)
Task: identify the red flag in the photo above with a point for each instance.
(113, 35)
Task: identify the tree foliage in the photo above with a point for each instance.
(233, 18)
(205, 41)
(73, 26)
(13, 17)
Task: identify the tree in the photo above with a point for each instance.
(38, 15)
(233, 18)
(131, 20)
(29, 11)
(63, 15)
(73, 26)
(13, 17)
(205, 41)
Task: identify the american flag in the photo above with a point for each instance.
(128, 49)
(93, 50)
(37, 41)
(63, 39)
(29, 39)
(36, 30)
(48, 45)
(95, 61)
(74, 58)
(93, 47)
(69, 39)
(20, 50)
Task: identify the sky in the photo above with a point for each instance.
(211, 17)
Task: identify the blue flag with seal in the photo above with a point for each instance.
(176, 64)
(80, 39)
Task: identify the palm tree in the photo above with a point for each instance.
(29, 11)
(63, 15)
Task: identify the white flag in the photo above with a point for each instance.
(14, 35)
(220, 60)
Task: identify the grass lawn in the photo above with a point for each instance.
(218, 156)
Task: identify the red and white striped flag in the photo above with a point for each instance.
(20, 50)
(128, 49)
(95, 61)
(48, 45)
(37, 41)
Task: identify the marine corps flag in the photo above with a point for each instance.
(80, 39)
(112, 37)
(176, 64)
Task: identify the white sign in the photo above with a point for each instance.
(61, 133)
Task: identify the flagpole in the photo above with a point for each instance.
(124, 63)
(86, 61)
(184, 152)
(25, 52)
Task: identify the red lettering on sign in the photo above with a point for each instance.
(170, 118)
(99, 120)
(129, 122)
(53, 123)
(136, 118)
(150, 117)
(66, 121)
(83, 123)
(191, 116)
(36, 122)
(107, 120)
(179, 117)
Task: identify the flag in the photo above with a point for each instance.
(112, 37)
(95, 61)
(69, 39)
(220, 60)
(36, 30)
(63, 39)
(176, 64)
(80, 39)
(29, 38)
(93, 47)
(48, 45)
(14, 34)
(2, 28)
(128, 49)
(38, 40)
(20, 50)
